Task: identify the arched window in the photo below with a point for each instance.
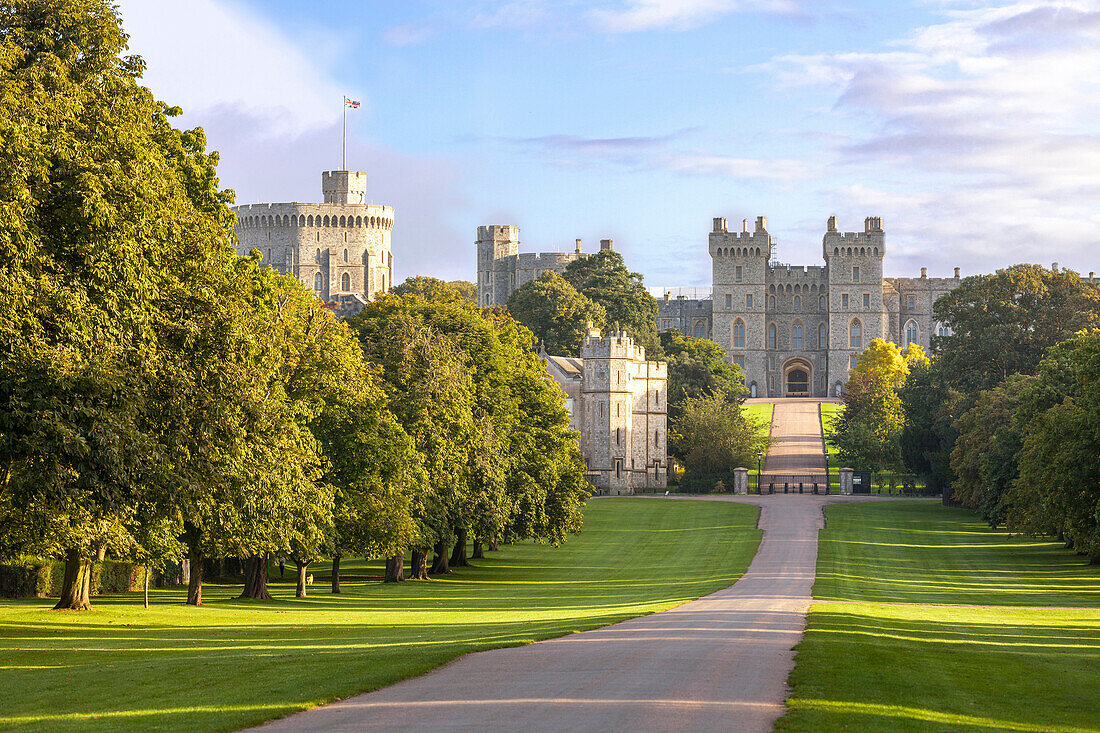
(318, 254)
(700, 330)
(318, 282)
(771, 302)
(345, 255)
(798, 302)
(796, 336)
(855, 335)
(309, 221)
(912, 333)
(821, 336)
(771, 336)
(821, 302)
(739, 334)
(345, 282)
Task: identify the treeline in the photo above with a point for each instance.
(161, 397)
(1005, 419)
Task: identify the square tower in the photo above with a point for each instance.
(494, 243)
(739, 265)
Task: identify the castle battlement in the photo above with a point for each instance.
(288, 215)
(798, 272)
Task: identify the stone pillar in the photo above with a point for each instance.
(846, 481)
(740, 480)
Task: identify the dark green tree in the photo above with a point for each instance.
(867, 432)
(931, 406)
(698, 367)
(603, 278)
(713, 435)
(555, 313)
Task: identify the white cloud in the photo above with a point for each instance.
(205, 55)
(642, 15)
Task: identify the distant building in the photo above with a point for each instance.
(340, 249)
(617, 402)
(502, 268)
(690, 316)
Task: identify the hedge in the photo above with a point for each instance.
(33, 577)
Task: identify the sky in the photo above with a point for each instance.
(972, 128)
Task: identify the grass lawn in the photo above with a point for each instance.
(235, 663)
(762, 413)
(829, 412)
(937, 623)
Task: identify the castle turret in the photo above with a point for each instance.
(493, 244)
(344, 187)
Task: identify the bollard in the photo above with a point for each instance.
(786, 487)
(800, 487)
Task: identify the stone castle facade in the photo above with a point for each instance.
(796, 331)
(617, 402)
(340, 249)
(502, 268)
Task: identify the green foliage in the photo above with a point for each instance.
(885, 359)
(603, 278)
(467, 289)
(713, 435)
(555, 313)
(698, 367)
(929, 433)
(1003, 323)
(867, 433)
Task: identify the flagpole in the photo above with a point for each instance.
(344, 148)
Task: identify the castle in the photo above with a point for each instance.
(796, 331)
(501, 268)
(340, 248)
(617, 402)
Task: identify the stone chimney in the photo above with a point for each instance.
(923, 273)
(956, 273)
(831, 225)
(720, 224)
(605, 244)
(578, 249)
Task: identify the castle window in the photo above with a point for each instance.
(656, 437)
(738, 273)
(345, 253)
(739, 361)
(739, 334)
(866, 300)
(844, 300)
(852, 361)
(729, 301)
(798, 302)
(748, 300)
(855, 335)
(318, 282)
(821, 303)
(855, 274)
(700, 330)
(821, 336)
(910, 302)
(796, 336)
(318, 252)
(771, 336)
(912, 334)
(771, 302)
(771, 362)
(618, 436)
(345, 282)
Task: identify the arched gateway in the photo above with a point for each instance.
(797, 378)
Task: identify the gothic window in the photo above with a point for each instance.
(852, 361)
(739, 334)
(729, 301)
(739, 361)
(771, 302)
(796, 336)
(700, 330)
(910, 302)
(844, 300)
(738, 273)
(748, 300)
(345, 282)
(855, 335)
(912, 334)
(345, 255)
(798, 302)
(821, 302)
(318, 282)
(771, 336)
(318, 254)
(821, 336)
(866, 300)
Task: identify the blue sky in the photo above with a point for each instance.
(970, 127)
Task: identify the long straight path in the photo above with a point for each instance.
(717, 663)
(799, 446)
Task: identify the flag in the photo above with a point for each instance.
(353, 103)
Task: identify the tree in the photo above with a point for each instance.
(930, 406)
(555, 313)
(985, 453)
(714, 436)
(885, 359)
(1003, 323)
(467, 289)
(697, 367)
(866, 433)
(603, 278)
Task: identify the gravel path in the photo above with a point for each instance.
(717, 663)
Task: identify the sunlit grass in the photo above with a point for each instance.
(234, 663)
(762, 414)
(933, 622)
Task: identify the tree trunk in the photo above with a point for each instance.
(300, 591)
(395, 568)
(419, 568)
(146, 584)
(335, 573)
(479, 551)
(255, 578)
(194, 582)
(76, 588)
(458, 555)
(440, 564)
(493, 545)
(185, 571)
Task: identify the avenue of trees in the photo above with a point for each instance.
(1005, 417)
(162, 398)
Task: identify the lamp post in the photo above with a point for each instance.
(826, 470)
(759, 463)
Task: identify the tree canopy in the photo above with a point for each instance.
(603, 278)
(555, 313)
